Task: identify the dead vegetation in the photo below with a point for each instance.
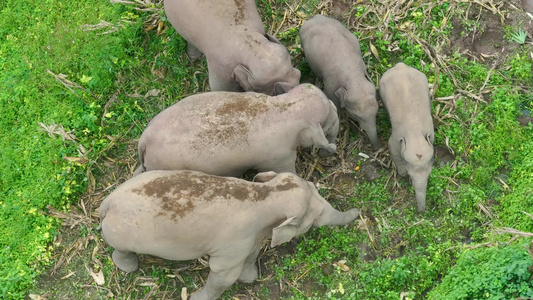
(81, 255)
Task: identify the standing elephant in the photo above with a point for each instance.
(182, 215)
(405, 93)
(228, 133)
(240, 55)
(334, 55)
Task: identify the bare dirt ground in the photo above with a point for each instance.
(81, 254)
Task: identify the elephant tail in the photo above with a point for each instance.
(102, 211)
(142, 152)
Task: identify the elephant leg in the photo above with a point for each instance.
(193, 52)
(249, 271)
(394, 150)
(220, 279)
(285, 163)
(126, 261)
(219, 79)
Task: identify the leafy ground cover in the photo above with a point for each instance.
(79, 83)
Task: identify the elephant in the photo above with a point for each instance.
(343, 71)
(229, 133)
(405, 93)
(240, 55)
(183, 215)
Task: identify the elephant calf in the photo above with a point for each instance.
(228, 133)
(240, 55)
(182, 215)
(334, 55)
(405, 93)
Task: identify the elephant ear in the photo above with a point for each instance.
(430, 138)
(272, 39)
(282, 88)
(341, 95)
(313, 135)
(284, 232)
(244, 77)
(264, 176)
(402, 144)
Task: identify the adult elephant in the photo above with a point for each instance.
(240, 55)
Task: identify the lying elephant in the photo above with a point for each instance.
(182, 215)
(240, 55)
(343, 70)
(228, 133)
(405, 93)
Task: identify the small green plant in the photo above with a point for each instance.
(488, 273)
(519, 36)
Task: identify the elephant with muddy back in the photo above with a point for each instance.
(183, 215)
(228, 133)
(240, 55)
(334, 55)
(405, 93)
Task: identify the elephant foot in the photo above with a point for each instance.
(193, 52)
(126, 261)
(402, 172)
(249, 274)
(200, 295)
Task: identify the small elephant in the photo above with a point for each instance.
(405, 93)
(182, 215)
(334, 55)
(240, 55)
(228, 133)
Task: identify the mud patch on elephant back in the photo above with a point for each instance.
(239, 14)
(229, 124)
(228, 133)
(177, 193)
(287, 185)
(244, 105)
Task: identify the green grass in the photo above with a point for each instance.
(35, 39)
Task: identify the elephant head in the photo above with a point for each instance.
(313, 135)
(322, 135)
(360, 103)
(417, 156)
(271, 74)
(314, 211)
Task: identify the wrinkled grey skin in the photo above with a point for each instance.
(182, 215)
(405, 93)
(334, 55)
(240, 55)
(228, 133)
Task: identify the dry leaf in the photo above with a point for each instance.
(68, 275)
(36, 297)
(341, 264)
(374, 50)
(98, 277)
(79, 160)
(152, 93)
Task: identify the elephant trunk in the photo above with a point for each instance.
(371, 132)
(331, 216)
(420, 184)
